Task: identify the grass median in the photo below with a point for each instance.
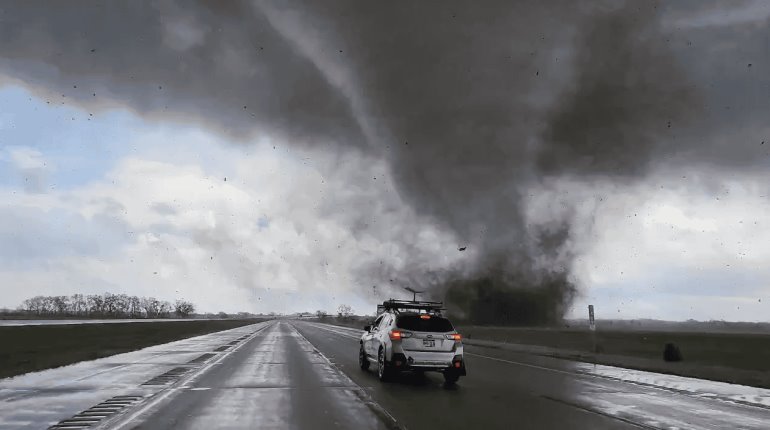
(31, 348)
(739, 358)
(738, 350)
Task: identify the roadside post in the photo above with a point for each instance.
(592, 327)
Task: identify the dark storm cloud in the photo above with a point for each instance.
(619, 111)
(224, 66)
(470, 104)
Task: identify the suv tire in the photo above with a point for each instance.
(451, 376)
(383, 370)
(363, 360)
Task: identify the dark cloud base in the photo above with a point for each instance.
(470, 105)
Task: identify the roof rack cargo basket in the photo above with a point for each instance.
(410, 306)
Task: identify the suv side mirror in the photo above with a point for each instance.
(367, 328)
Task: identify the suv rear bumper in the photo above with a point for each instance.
(430, 361)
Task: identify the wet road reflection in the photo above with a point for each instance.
(277, 381)
(505, 389)
(40, 399)
(303, 375)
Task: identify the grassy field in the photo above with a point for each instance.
(29, 348)
(737, 358)
(352, 322)
(741, 351)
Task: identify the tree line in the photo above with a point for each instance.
(105, 305)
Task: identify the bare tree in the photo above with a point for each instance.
(344, 311)
(183, 308)
(78, 304)
(121, 305)
(110, 304)
(35, 305)
(95, 305)
(134, 307)
(150, 305)
(164, 309)
(60, 305)
(105, 305)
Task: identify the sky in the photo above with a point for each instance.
(113, 202)
(301, 181)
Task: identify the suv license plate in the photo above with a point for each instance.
(428, 342)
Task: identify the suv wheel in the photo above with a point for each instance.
(363, 360)
(383, 371)
(450, 376)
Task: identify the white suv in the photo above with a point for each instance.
(412, 336)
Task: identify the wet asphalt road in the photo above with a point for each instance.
(302, 375)
(507, 390)
(276, 381)
(493, 395)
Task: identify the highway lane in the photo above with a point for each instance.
(302, 375)
(39, 399)
(511, 390)
(278, 380)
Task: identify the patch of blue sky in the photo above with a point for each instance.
(81, 146)
(78, 146)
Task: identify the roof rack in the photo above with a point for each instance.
(410, 305)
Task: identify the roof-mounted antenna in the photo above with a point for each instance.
(414, 293)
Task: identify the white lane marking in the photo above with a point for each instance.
(109, 369)
(199, 389)
(334, 331)
(126, 420)
(360, 392)
(582, 374)
(549, 369)
(530, 365)
(565, 372)
(341, 327)
(338, 327)
(341, 334)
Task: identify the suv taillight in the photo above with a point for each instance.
(454, 336)
(398, 334)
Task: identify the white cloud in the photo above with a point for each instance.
(672, 247)
(721, 14)
(250, 227)
(231, 228)
(25, 158)
(262, 229)
(30, 165)
(667, 215)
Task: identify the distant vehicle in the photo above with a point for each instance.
(412, 335)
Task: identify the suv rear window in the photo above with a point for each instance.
(415, 323)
